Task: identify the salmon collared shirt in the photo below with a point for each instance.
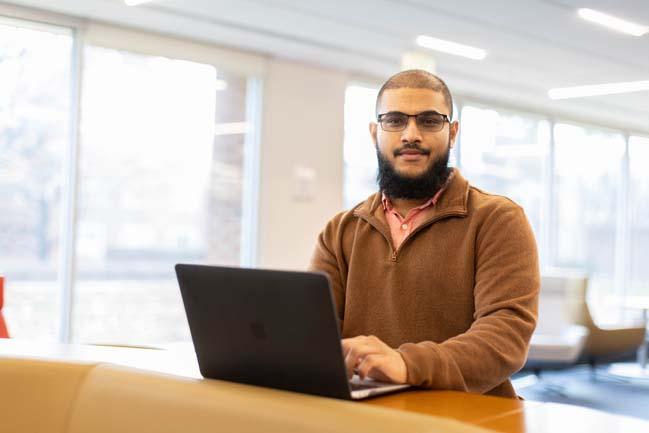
(401, 227)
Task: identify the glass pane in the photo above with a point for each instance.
(160, 183)
(639, 213)
(359, 152)
(588, 172)
(35, 64)
(507, 154)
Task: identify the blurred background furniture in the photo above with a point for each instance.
(568, 335)
(639, 370)
(557, 342)
(605, 343)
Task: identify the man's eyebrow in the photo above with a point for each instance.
(415, 114)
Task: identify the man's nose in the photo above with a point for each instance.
(411, 133)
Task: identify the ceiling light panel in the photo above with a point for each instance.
(613, 22)
(598, 89)
(451, 47)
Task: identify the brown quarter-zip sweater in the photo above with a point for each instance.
(459, 296)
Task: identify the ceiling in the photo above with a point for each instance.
(532, 45)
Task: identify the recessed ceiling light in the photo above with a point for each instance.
(598, 89)
(451, 47)
(613, 22)
(135, 2)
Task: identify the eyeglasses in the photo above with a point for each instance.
(429, 121)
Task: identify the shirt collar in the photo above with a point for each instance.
(387, 203)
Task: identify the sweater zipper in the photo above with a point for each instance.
(395, 252)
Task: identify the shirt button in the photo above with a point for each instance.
(404, 226)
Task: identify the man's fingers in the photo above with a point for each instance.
(352, 359)
(350, 363)
(349, 343)
(357, 350)
(362, 348)
(346, 344)
(368, 364)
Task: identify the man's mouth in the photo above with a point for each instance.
(411, 152)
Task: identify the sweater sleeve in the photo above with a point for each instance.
(327, 258)
(507, 284)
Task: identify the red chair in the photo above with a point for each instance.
(3, 326)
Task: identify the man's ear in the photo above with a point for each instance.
(454, 128)
(373, 128)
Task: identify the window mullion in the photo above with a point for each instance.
(459, 104)
(549, 224)
(70, 182)
(622, 227)
(250, 205)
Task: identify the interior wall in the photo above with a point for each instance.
(301, 160)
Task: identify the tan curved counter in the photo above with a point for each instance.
(74, 389)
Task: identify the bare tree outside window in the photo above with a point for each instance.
(34, 136)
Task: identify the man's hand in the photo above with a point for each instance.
(372, 357)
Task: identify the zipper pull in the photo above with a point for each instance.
(394, 256)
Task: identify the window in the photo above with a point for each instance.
(588, 182)
(359, 153)
(35, 98)
(159, 178)
(639, 216)
(161, 167)
(507, 154)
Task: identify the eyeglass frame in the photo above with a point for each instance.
(380, 116)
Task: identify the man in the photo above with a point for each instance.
(435, 281)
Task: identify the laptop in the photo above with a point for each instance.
(276, 329)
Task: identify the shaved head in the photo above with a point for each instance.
(417, 79)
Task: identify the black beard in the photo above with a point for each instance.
(426, 185)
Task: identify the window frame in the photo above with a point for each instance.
(88, 32)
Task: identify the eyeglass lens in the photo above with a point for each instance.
(399, 121)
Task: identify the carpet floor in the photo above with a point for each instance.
(577, 386)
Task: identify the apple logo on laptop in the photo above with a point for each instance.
(258, 330)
